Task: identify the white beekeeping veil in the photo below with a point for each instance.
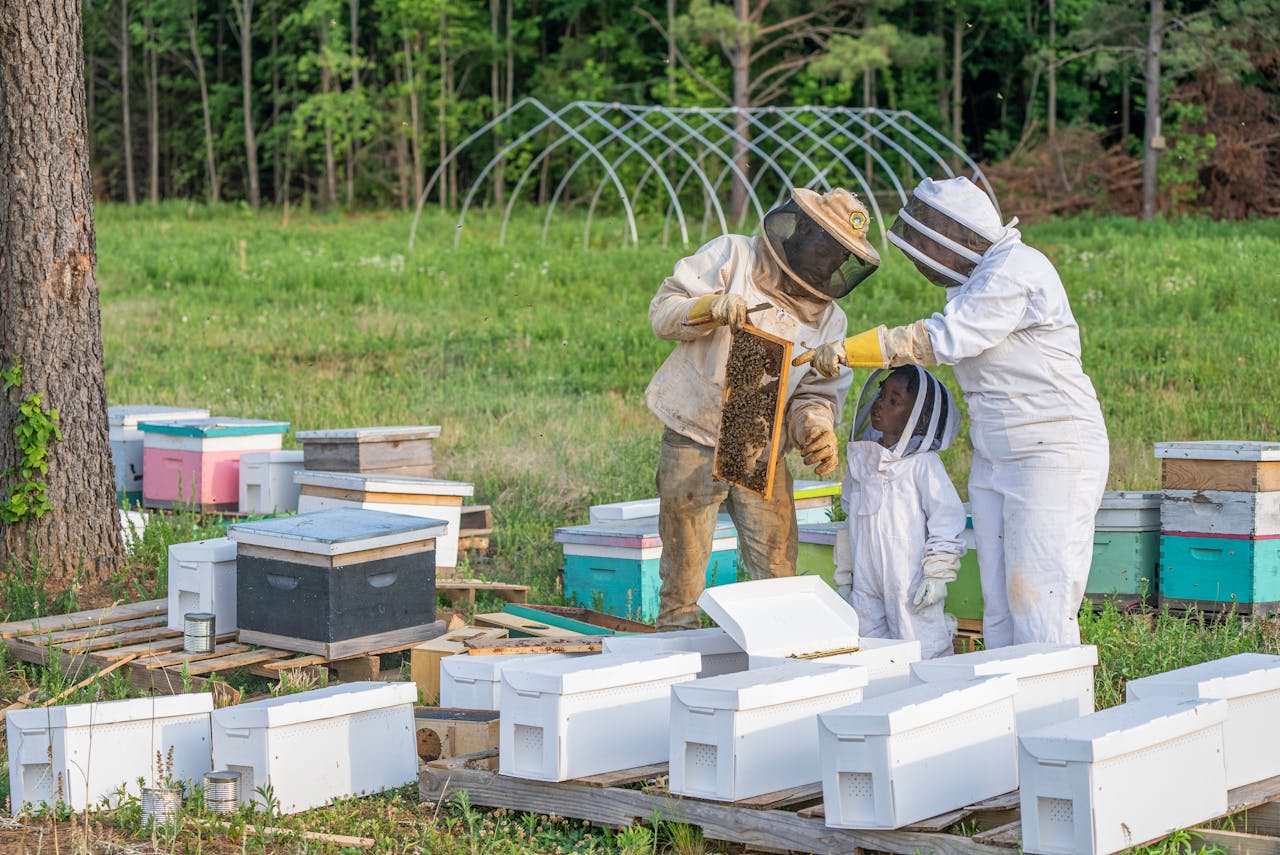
(934, 420)
(946, 228)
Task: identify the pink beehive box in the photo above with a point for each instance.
(197, 461)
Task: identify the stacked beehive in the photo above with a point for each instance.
(1220, 526)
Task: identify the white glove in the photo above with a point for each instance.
(939, 569)
(845, 592)
(953, 625)
(930, 591)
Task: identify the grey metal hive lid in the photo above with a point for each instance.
(1219, 450)
(337, 531)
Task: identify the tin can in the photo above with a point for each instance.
(198, 632)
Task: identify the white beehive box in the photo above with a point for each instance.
(801, 617)
(126, 441)
(83, 754)
(909, 755)
(316, 746)
(266, 482)
(1250, 684)
(754, 732)
(133, 524)
(1128, 510)
(567, 719)
(1122, 777)
(399, 494)
(202, 578)
(1221, 512)
(720, 653)
(475, 682)
(1055, 681)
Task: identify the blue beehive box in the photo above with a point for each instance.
(613, 566)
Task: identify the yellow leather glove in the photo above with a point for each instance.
(727, 310)
(863, 350)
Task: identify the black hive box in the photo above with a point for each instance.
(336, 583)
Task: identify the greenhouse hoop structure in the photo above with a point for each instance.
(683, 163)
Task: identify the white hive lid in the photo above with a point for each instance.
(214, 549)
(781, 617)
(711, 641)
(317, 704)
(1020, 660)
(918, 706)
(128, 415)
(767, 687)
(1131, 500)
(1219, 450)
(602, 671)
(337, 531)
(362, 482)
(115, 712)
(293, 456)
(1122, 729)
(490, 667)
(637, 509)
(390, 433)
(1229, 677)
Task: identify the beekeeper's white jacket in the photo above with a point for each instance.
(899, 509)
(687, 390)
(1040, 444)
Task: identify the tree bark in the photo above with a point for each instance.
(1125, 106)
(1053, 71)
(197, 57)
(277, 187)
(326, 86)
(1151, 142)
(130, 187)
(49, 316)
(495, 94)
(353, 7)
(153, 110)
(442, 126)
(957, 81)
(244, 22)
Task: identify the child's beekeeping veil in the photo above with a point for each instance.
(934, 420)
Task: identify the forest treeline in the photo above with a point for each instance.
(355, 102)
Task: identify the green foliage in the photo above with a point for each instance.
(1186, 153)
(26, 590)
(34, 428)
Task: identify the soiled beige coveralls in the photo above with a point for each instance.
(685, 394)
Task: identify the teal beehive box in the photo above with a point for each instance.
(1126, 548)
(613, 566)
(1220, 574)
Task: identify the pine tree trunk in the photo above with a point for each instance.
(741, 64)
(153, 112)
(495, 95)
(244, 18)
(49, 315)
(197, 58)
(957, 82)
(130, 187)
(1053, 72)
(1151, 141)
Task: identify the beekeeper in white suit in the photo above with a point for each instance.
(812, 252)
(1040, 445)
(901, 543)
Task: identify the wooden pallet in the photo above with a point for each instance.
(91, 640)
(790, 820)
(465, 590)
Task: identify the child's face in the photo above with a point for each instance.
(892, 408)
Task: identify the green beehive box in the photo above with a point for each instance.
(815, 553)
(1124, 567)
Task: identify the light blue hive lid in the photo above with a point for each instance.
(337, 531)
(212, 427)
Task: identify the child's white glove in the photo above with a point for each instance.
(939, 569)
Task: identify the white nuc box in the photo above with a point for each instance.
(919, 752)
(1121, 777)
(202, 578)
(1055, 681)
(1250, 684)
(753, 732)
(577, 717)
(310, 748)
(475, 682)
(83, 754)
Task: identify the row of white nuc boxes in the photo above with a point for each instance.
(308, 748)
(892, 741)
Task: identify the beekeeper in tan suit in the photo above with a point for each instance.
(813, 251)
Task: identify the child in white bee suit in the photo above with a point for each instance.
(905, 518)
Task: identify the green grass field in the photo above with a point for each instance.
(534, 356)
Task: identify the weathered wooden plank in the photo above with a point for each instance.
(1239, 842)
(152, 648)
(595, 618)
(621, 777)
(502, 646)
(515, 623)
(164, 660)
(1263, 819)
(348, 495)
(91, 617)
(1252, 795)
(383, 642)
(89, 645)
(1220, 512)
(476, 517)
(76, 663)
(223, 664)
(1247, 476)
(617, 807)
(792, 797)
(1008, 835)
(97, 630)
(297, 662)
